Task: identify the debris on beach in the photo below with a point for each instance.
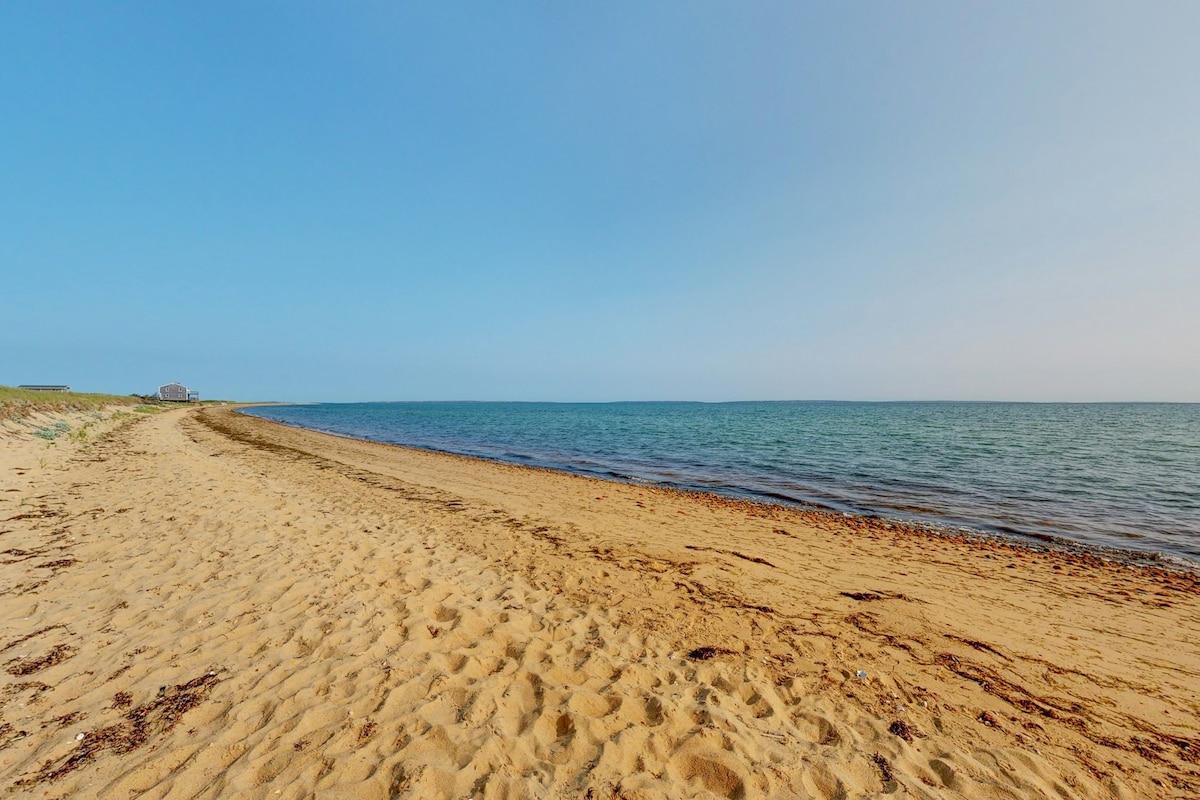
(708, 652)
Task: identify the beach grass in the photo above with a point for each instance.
(18, 403)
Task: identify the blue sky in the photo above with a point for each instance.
(586, 201)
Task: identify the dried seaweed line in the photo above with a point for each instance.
(134, 730)
(27, 666)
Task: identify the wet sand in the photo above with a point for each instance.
(203, 604)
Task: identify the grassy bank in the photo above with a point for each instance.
(17, 403)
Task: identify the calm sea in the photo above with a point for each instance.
(1115, 475)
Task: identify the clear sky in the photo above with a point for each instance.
(598, 201)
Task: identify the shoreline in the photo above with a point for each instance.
(1144, 559)
(208, 604)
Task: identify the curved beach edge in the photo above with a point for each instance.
(201, 603)
(1150, 559)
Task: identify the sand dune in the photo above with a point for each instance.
(207, 605)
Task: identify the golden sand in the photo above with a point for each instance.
(203, 604)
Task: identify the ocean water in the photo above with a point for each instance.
(1114, 475)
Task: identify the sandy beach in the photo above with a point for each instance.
(197, 603)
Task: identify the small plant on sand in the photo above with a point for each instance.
(52, 432)
(80, 436)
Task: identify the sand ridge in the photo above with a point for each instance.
(209, 605)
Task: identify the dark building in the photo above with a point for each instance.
(176, 393)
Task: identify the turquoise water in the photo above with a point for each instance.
(1115, 475)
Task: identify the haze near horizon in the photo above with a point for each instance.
(619, 202)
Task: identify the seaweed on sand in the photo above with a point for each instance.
(135, 728)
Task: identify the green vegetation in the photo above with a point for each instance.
(52, 432)
(17, 403)
(80, 436)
